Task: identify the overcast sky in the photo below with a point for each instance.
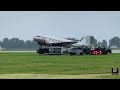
(27, 24)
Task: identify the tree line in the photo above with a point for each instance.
(16, 43)
(115, 41)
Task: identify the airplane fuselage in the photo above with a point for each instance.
(53, 41)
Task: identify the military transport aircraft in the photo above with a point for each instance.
(54, 41)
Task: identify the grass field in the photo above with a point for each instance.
(34, 66)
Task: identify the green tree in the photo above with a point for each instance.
(99, 44)
(0, 43)
(5, 43)
(14, 43)
(21, 44)
(104, 43)
(115, 41)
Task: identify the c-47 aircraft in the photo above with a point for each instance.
(54, 41)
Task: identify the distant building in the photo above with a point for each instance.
(89, 41)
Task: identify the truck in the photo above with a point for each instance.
(100, 51)
(90, 51)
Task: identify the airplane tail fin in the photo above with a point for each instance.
(82, 38)
(81, 42)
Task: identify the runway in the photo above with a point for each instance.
(16, 51)
(113, 51)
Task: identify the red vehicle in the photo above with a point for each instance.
(96, 52)
(100, 51)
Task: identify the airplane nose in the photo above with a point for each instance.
(34, 38)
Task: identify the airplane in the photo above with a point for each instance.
(54, 41)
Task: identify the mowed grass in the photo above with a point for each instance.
(33, 65)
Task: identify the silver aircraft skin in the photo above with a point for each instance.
(54, 41)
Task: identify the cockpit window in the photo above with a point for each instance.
(38, 36)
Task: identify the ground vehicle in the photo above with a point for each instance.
(52, 50)
(76, 51)
(100, 51)
(42, 50)
(90, 51)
